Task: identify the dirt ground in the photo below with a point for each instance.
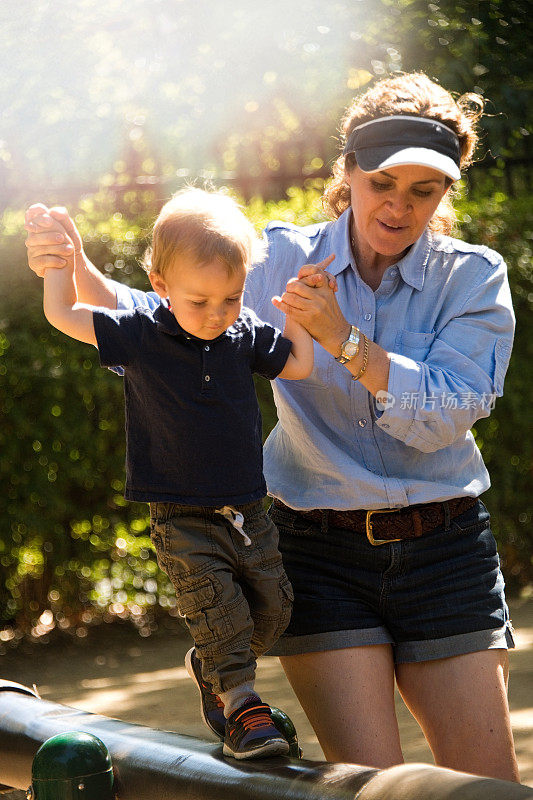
(115, 672)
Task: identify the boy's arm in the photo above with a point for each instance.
(50, 232)
(300, 361)
(60, 306)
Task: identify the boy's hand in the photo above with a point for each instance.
(316, 275)
(315, 307)
(52, 238)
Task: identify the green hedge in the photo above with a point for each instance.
(72, 551)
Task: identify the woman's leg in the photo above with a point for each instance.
(348, 697)
(461, 705)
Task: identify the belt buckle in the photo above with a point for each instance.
(368, 525)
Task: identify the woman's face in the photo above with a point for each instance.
(391, 208)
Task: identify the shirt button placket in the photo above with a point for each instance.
(205, 363)
(368, 302)
(366, 435)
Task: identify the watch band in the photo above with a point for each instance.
(349, 348)
(365, 361)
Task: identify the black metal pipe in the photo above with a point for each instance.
(159, 765)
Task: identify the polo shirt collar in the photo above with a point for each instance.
(166, 321)
(412, 266)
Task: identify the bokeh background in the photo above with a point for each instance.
(108, 109)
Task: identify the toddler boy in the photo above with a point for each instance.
(194, 449)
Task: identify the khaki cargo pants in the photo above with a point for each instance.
(234, 597)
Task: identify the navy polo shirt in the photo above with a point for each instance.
(193, 425)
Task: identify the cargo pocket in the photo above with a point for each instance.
(206, 621)
(286, 596)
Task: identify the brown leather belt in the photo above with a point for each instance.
(389, 524)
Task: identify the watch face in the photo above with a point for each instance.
(350, 349)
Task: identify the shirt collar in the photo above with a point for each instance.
(412, 266)
(340, 243)
(166, 321)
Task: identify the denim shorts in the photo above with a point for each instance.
(436, 596)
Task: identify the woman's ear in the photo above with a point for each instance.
(349, 166)
(158, 284)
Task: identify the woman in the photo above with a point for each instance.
(373, 469)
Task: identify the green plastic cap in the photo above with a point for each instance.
(285, 726)
(72, 765)
(69, 755)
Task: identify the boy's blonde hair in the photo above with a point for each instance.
(206, 226)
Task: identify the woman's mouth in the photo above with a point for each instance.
(390, 228)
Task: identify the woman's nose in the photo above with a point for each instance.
(399, 203)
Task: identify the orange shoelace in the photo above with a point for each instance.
(216, 699)
(252, 721)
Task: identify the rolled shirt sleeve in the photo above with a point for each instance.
(435, 400)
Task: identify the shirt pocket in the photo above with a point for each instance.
(414, 344)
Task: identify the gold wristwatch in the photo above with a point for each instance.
(350, 347)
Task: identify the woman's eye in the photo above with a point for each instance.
(380, 187)
(233, 300)
(197, 302)
(422, 193)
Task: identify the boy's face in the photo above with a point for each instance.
(205, 298)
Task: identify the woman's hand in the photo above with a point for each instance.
(310, 300)
(316, 275)
(52, 238)
(54, 241)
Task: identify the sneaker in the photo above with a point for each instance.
(250, 732)
(211, 706)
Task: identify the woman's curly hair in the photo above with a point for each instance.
(416, 95)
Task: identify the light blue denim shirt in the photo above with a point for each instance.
(444, 312)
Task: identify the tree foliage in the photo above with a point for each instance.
(173, 89)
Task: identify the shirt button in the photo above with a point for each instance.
(207, 378)
(368, 316)
(206, 348)
(393, 271)
(362, 423)
(385, 425)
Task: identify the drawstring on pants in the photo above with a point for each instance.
(236, 519)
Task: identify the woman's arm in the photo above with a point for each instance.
(60, 306)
